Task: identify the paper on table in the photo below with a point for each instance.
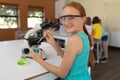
(52, 56)
(47, 48)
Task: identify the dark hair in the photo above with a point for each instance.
(95, 20)
(88, 21)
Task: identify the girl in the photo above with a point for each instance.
(74, 64)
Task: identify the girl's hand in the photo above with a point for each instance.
(35, 56)
(49, 37)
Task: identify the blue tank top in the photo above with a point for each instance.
(79, 69)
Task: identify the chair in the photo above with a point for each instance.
(98, 50)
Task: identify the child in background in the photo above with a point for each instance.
(88, 27)
(104, 59)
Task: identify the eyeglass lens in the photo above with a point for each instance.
(68, 18)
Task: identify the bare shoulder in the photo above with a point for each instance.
(74, 43)
(74, 39)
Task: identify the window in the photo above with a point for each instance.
(8, 16)
(35, 16)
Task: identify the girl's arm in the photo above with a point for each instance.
(52, 42)
(68, 58)
(91, 42)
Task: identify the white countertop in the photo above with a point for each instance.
(10, 52)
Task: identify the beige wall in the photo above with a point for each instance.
(107, 10)
(49, 10)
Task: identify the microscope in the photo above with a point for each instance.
(35, 37)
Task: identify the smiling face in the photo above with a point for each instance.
(72, 20)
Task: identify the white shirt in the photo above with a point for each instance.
(89, 28)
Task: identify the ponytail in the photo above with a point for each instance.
(91, 39)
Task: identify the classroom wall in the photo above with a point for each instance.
(107, 10)
(49, 10)
(58, 7)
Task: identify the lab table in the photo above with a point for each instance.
(10, 53)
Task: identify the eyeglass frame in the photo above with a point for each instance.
(70, 16)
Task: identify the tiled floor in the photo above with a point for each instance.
(110, 70)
